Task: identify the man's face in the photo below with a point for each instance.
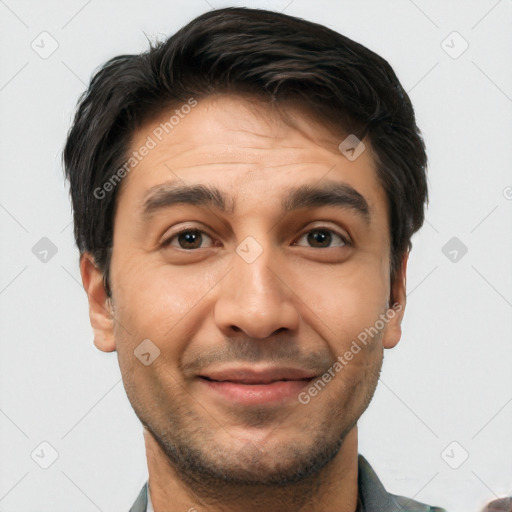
(266, 284)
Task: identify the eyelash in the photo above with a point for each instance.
(345, 239)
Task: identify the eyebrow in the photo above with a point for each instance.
(331, 193)
(164, 196)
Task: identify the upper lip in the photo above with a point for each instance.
(257, 376)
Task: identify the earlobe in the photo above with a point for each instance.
(395, 313)
(100, 310)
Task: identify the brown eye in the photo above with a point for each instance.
(319, 238)
(323, 238)
(188, 239)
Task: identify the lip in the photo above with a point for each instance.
(257, 375)
(243, 386)
(256, 394)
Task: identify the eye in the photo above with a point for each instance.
(323, 238)
(188, 239)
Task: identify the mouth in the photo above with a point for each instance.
(257, 382)
(249, 387)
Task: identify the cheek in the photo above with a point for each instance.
(154, 300)
(346, 299)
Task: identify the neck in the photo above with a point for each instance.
(334, 487)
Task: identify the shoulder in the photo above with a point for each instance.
(409, 505)
(141, 502)
(375, 498)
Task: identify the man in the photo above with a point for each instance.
(244, 198)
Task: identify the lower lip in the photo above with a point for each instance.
(254, 394)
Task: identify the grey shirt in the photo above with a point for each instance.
(373, 496)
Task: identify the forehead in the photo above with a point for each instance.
(242, 145)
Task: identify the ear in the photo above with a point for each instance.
(395, 312)
(100, 307)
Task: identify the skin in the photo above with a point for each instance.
(298, 304)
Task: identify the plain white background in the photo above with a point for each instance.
(446, 389)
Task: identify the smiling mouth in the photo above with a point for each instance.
(248, 392)
(252, 382)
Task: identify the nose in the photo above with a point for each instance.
(254, 298)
